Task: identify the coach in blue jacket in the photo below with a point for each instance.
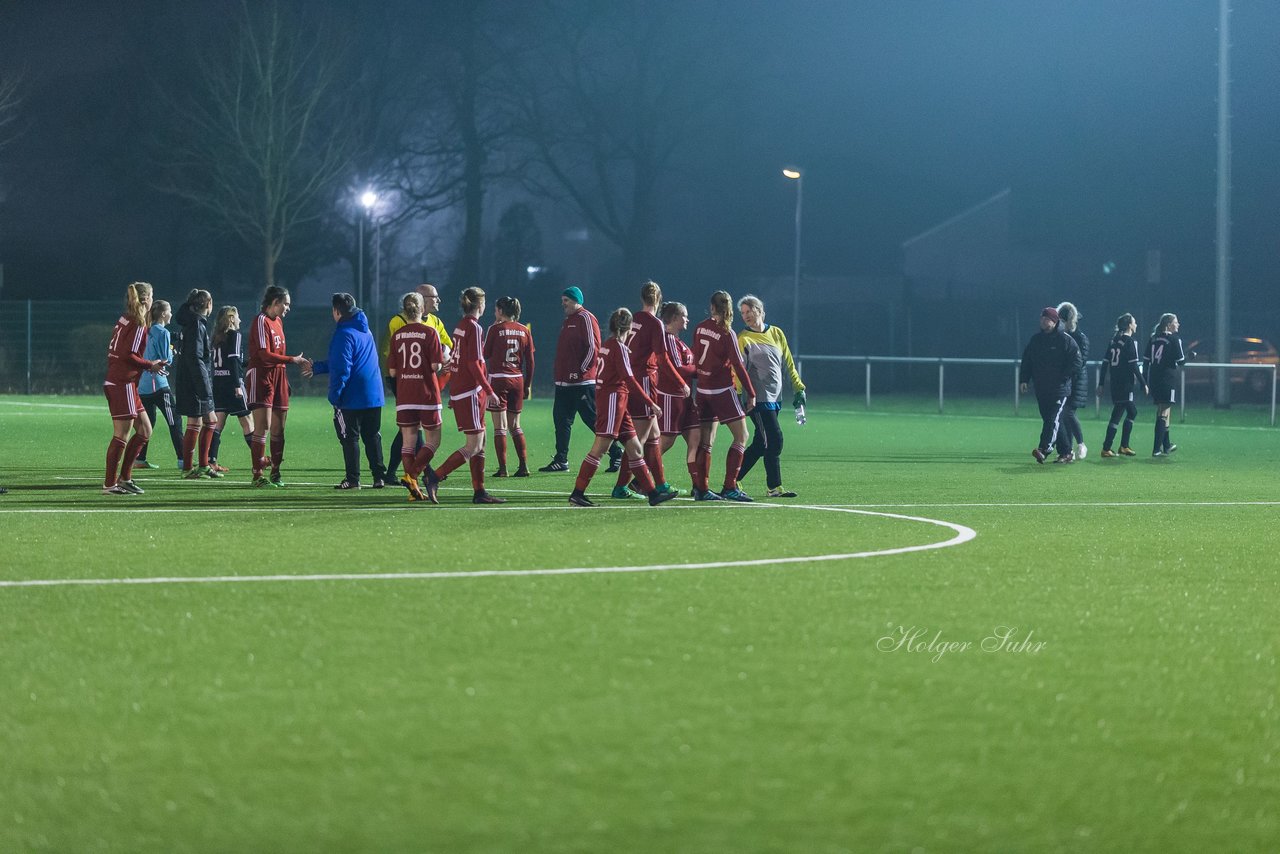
(355, 390)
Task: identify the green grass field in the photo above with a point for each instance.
(758, 705)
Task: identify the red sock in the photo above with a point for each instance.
(624, 472)
(517, 439)
(258, 454)
(189, 440)
(455, 459)
(409, 462)
(422, 459)
(653, 458)
(500, 447)
(206, 442)
(641, 472)
(732, 464)
(277, 452)
(130, 454)
(698, 468)
(586, 472)
(706, 467)
(477, 472)
(115, 450)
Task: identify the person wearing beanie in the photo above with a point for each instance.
(1050, 362)
(574, 374)
(355, 391)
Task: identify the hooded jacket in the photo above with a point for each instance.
(1050, 362)
(194, 364)
(355, 381)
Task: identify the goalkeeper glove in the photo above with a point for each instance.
(799, 400)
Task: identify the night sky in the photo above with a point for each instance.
(1101, 116)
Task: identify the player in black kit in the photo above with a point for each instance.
(1125, 366)
(1164, 357)
(228, 380)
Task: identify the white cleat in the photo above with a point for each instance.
(1081, 451)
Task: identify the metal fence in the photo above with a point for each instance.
(1196, 371)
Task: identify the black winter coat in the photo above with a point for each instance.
(1080, 385)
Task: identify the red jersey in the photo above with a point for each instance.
(648, 346)
(682, 359)
(615, 371)
(577, 349)
(715, 350)
(124, 354)
(266, 343)
(508, 351)
(467, 362)
(415, 351)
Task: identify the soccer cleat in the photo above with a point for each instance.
(196, 472)
(624, 492)
(212, 472)
(379, 483)
(779, 492)
(555, 465)
(346, 484)
(143, 464)
(523, 471)
(1158, 453)
(1128, 452)
(666, 487)
(415, 491)
(1107, 453)
(579, 499)
(1081, 451)
(1170, 449)
(433, 485)
(614, 465)
(260, 481)
(116, 489)
(1040, 455)
(658, 496)
(735, 495)
(130, 487)
(705, 495)
(502, 472)
(218, 468)
(276, 480)
(1064, 459)
(482, 497)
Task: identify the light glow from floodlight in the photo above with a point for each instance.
(369, 199)
(793, 174)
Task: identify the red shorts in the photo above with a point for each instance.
(418, 415)
(469, 411)
(679, 413)
(722, 406)
(122, 400)
(636, 406)
(612, 418)
(268, 388)
(508, 394)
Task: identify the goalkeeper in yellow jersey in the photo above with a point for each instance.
(765, 351)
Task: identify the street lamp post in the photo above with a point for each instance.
(367, 200)
(797, 176)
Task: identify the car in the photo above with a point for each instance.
(1245, 350)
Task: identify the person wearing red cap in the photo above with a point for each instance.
(1050, 363)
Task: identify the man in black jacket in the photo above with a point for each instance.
(1050, 362)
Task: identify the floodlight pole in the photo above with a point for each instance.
(360, 263)
(1222, 325)
(797, 176)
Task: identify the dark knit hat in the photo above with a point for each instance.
(1051, 313)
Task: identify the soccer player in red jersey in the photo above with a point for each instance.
(508, 355)
(651, 364)
(267, 383)
(716, 353)
(615, 382)
(414, 360)
(679, 413)
(125, 364)
(468, 392)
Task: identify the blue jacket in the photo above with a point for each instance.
(158, 347)
(355, 381)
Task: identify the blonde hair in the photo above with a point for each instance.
(135, 295)
(471, 299)
(222, 325)
(1069, 315)
(722, 308)
(412, 304)
(620, 322)
(650, 293)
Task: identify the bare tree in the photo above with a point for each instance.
(262, 140)
(606, 100)
(10, 100)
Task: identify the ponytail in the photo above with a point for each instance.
(620, 322)
(273, 294)
(1122, 323)
(722, 308)
(650, 294)
(471, 299)
(135, 295)
(509, 306)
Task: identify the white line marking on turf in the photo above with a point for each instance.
(962, 535)
(53, 405)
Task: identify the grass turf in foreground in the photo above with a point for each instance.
(730, 709)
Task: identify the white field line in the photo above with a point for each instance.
(962, 534)
(1020, 418)
(54, 405)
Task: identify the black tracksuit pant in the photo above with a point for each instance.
(579, 400)
(766, 444)
(163, 401)
(354, 426)
(1052, 433)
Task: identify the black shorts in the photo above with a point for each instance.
(226, 400)
(1164, 395)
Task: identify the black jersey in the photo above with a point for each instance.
(1125, 367)
(228, 374)
(1164, 356)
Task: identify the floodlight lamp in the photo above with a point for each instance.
(793, 174)
(369, 199)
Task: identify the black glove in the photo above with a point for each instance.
(799, 400)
